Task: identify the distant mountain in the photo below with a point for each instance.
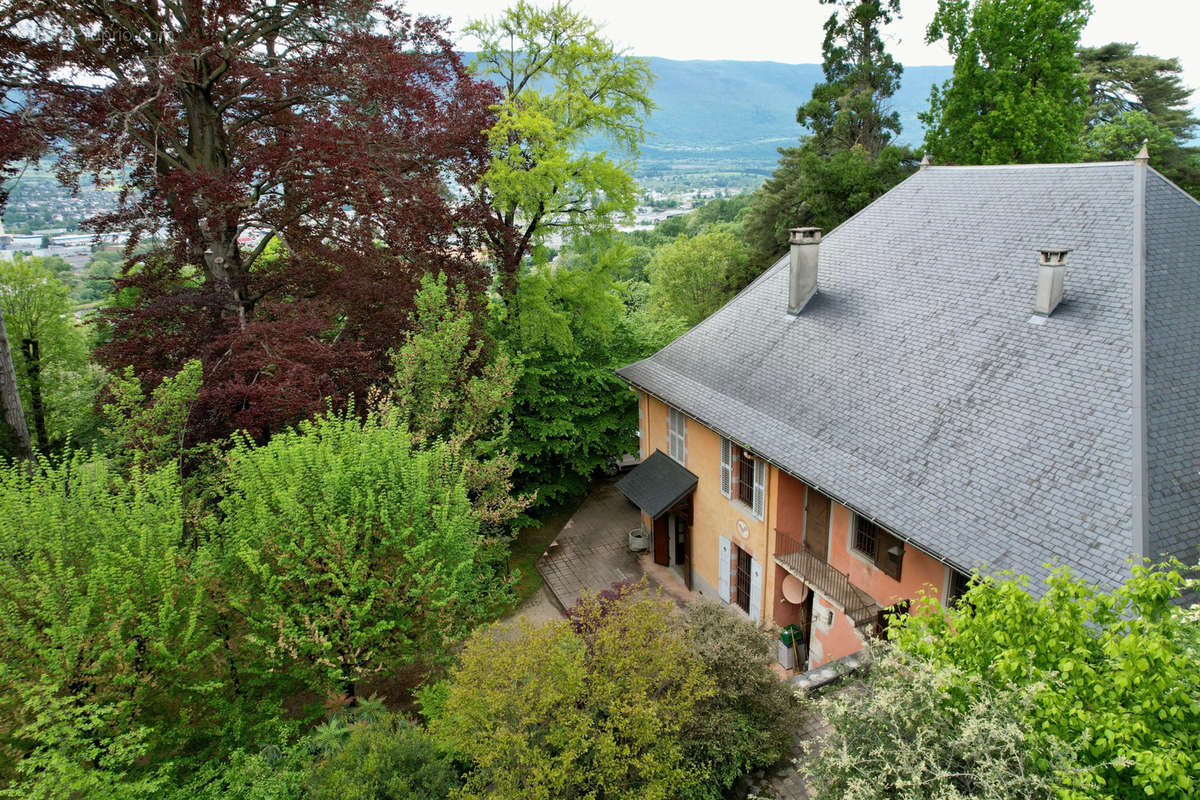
(733, 115)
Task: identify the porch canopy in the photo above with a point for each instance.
(657, 484)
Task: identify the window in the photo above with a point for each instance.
(885, 551)
(746, 478)
(677, 435)
(726, 466)
(743, 580)
(956, 586)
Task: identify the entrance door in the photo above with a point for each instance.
(816, 524)
(672, 539)
(679, 540)
(661, 547)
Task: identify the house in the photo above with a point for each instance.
(992, 368)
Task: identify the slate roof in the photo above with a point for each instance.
(657, 484)
(915, 388)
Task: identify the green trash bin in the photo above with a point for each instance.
(790, 634)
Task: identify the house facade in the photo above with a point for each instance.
(992, 368)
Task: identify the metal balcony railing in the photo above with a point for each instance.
(826, 579)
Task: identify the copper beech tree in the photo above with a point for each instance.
(348, 132)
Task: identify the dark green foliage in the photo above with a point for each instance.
(386, 760)
(811, 189)
(1136, 98)
(571, 415)
(750, 721)
(1017, 96)
(850, 108)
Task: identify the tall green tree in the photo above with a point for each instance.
(808, 188)
(848, 160)
(454, 383)
(347, 552)
(850, 107)
(49, 349)
(692, 277)
(1133, 98)
(563, 83)
(571, 415)
(1017, 95)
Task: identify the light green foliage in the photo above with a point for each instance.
(562, 83)
(100, 624)
(808, 188)
(388, 759)
(850, 108)
(691, 278)
(1017, 95)
(348, 553)
(571, 415)
(72, 746)
(915, 731)
(151, 433)
(1136, 97)
(1113, 673)
(453, 384)
(546, 712)
(750, 721)
(49, 351)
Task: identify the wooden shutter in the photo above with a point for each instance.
(889, 553)
(756, 590)
(723, 556)
(760, 487)
(726, 466)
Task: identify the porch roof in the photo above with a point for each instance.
(657, 484)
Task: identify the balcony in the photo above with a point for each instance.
(818, 574)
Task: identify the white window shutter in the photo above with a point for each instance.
(726, 466)
(682, 439)
(723, 556)
(760, 488)
(756, 591)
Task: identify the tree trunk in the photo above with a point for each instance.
(33, 369)
(11, 396)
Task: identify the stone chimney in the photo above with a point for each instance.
(1051, 268)
(802, 275)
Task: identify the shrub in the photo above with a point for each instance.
(916, 731)
(1113, 671)
(546, 713)
(750, 721)
(348, 552)
(387, 760)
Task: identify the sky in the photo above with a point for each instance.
(790, 30)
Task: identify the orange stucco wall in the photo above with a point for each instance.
(919, 573)
(716, 515)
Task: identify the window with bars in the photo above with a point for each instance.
(884, 550)
(677, 435)
(743, 580)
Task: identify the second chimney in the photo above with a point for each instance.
(1052, 267)
(802, 275)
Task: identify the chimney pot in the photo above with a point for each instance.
(1052, 268)
(802, 266)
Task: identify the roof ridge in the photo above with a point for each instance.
(1061, 165)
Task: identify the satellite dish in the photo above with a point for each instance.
(794, 590)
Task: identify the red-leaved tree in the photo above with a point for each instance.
(347, 131)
